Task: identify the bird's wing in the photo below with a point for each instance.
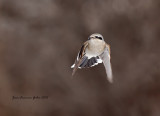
(79, 57)
(105, 56)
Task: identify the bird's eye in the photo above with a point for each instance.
(100, 38)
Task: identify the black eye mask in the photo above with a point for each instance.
(98, 37)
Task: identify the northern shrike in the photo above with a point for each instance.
(95, 50)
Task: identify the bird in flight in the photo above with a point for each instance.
(95, 50)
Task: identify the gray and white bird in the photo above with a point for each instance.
(95, 50)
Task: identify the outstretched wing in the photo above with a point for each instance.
(105, 56)
(80, 57)
(88, 62)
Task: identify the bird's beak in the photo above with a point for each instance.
(91, 37)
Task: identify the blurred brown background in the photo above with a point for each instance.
(40, 39)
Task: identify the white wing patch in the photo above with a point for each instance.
(99, 60)
(73, 66)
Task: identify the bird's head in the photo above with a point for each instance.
(96, 36)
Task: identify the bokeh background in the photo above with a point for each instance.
(40, 39)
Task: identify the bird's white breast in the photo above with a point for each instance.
(95, 47)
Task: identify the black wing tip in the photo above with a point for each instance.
(87, 63)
